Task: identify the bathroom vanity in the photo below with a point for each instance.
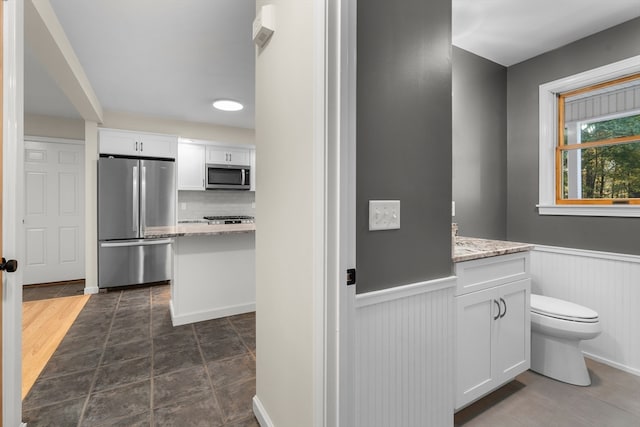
(492, 317)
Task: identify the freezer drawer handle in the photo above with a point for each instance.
(141, 243)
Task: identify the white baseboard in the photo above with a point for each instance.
(612, 363)
(90, 290)
(200, 316)
(261, 413)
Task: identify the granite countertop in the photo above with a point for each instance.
(468, 248)
(198, 229)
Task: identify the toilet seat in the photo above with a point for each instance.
(563, 310)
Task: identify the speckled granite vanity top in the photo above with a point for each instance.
(468, 248)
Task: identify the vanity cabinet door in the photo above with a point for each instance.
(476, 328)
(513, 338)
(493, 339)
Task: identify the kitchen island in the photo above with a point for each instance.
(213, 270)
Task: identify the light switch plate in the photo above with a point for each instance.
(384, 215)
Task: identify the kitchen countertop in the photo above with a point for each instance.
(468, 248)
(198, 229)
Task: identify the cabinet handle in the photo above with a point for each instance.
(505, 308)
(499, 309)
(136, 145)
(141, 149)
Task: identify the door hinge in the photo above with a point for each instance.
(351, 276)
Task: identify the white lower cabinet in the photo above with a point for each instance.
(492, 333)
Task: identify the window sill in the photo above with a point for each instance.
(590, 210)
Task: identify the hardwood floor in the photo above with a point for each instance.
(532, 400)
(44, 325)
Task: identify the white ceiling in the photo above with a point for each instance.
(161, 57)
(511, 31)
(173, 59)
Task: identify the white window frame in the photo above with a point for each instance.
(548, 139)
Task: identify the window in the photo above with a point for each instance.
(590, 142)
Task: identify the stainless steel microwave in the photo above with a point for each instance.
(228, 177)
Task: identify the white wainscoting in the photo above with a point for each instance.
(404, 355)
(606, 282)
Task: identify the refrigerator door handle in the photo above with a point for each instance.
(143, 200)
(136, 243)
(135, 224)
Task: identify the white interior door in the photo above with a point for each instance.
(54, 211)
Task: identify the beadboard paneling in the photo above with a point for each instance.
(404, 358)
(607, 283)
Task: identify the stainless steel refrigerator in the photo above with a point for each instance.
(134, 194)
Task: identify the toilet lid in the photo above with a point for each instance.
(561, 309)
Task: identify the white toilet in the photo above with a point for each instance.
(557, 327)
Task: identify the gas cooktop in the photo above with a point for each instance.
(229, 219)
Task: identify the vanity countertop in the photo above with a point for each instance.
(468, 248)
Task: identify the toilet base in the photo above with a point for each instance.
(559, 359)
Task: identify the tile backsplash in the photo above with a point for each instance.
(200, 203)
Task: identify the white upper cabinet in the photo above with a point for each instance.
(191, 166)
(228, 155)
(127, 143)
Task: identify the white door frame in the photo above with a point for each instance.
(12, 203)
(336, 62)
(335, 134)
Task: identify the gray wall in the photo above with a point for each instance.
(523, 223)
(479, 145)
(404, 140)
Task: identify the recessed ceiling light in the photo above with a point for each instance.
(227, 105)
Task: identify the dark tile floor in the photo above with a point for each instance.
(38, 292)
(122, 363)
(532, 400)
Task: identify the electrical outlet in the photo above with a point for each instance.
(183, 206)
(384, 214)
